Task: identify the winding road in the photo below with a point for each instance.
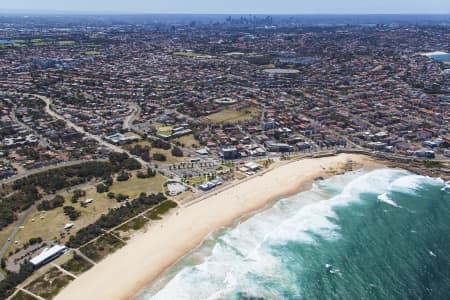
(81, 130)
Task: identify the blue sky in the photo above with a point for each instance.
(234, 6)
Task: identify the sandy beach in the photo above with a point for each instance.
(122, 274)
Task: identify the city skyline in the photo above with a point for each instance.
(233, 7)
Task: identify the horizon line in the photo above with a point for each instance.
(83, 12)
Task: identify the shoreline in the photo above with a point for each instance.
(433, 53)
(148, 255)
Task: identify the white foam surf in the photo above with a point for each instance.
(411, 183)
(243, 257)
(385, 198)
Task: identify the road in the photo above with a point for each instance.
(135, 113)
(81, 130)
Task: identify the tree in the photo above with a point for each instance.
(57, 201)
(71, 212)
(123, 176)
(159, 157)
(121, 197)
(102, 188)
(131, 164)
(77, 194)
(177, 152)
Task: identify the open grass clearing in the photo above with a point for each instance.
(51, 226)
(134, 186)
(189, 54)
(92, 53)
(188, 141)
(66, 43)
(233, 116)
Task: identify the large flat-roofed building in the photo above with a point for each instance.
(273, 146)
(230, 153)
(47, 255)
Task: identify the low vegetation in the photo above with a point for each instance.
(76, 265)
(102, 247)
(50, 284)
(157, 212)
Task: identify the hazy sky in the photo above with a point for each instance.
(234, 6)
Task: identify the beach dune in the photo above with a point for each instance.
(122, 274)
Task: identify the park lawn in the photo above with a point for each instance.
(188, 141)
(196, 180)
(166, 130)
(233, 116)
(52, 226)
(134, 186)
(189, 54)
(65, 43)
(92, 53)
(168, 153)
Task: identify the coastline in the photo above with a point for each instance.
(123, 274)
(433, 53)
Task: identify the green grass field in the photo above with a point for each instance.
(92, 53)
(134, 186)
(233, 116)
(188, 54)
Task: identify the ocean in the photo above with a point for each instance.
(440, 57)
(381, 234)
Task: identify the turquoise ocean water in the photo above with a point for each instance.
(441, 57)
(382, 234)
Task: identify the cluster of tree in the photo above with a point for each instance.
(119, 197)
(57, 201)
(122, 161)
(160, 144)
(115, 217)
(8, 285)
(104, 187)
(33, 241)
(141, 151)
(123, 176)
(77, 194)
(71, 212)
(177, 151)
(150, 173)
(64, 177)
(159, 156)
(15, 203)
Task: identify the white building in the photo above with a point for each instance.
(47, 255)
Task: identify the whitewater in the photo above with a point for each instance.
(381, 234)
